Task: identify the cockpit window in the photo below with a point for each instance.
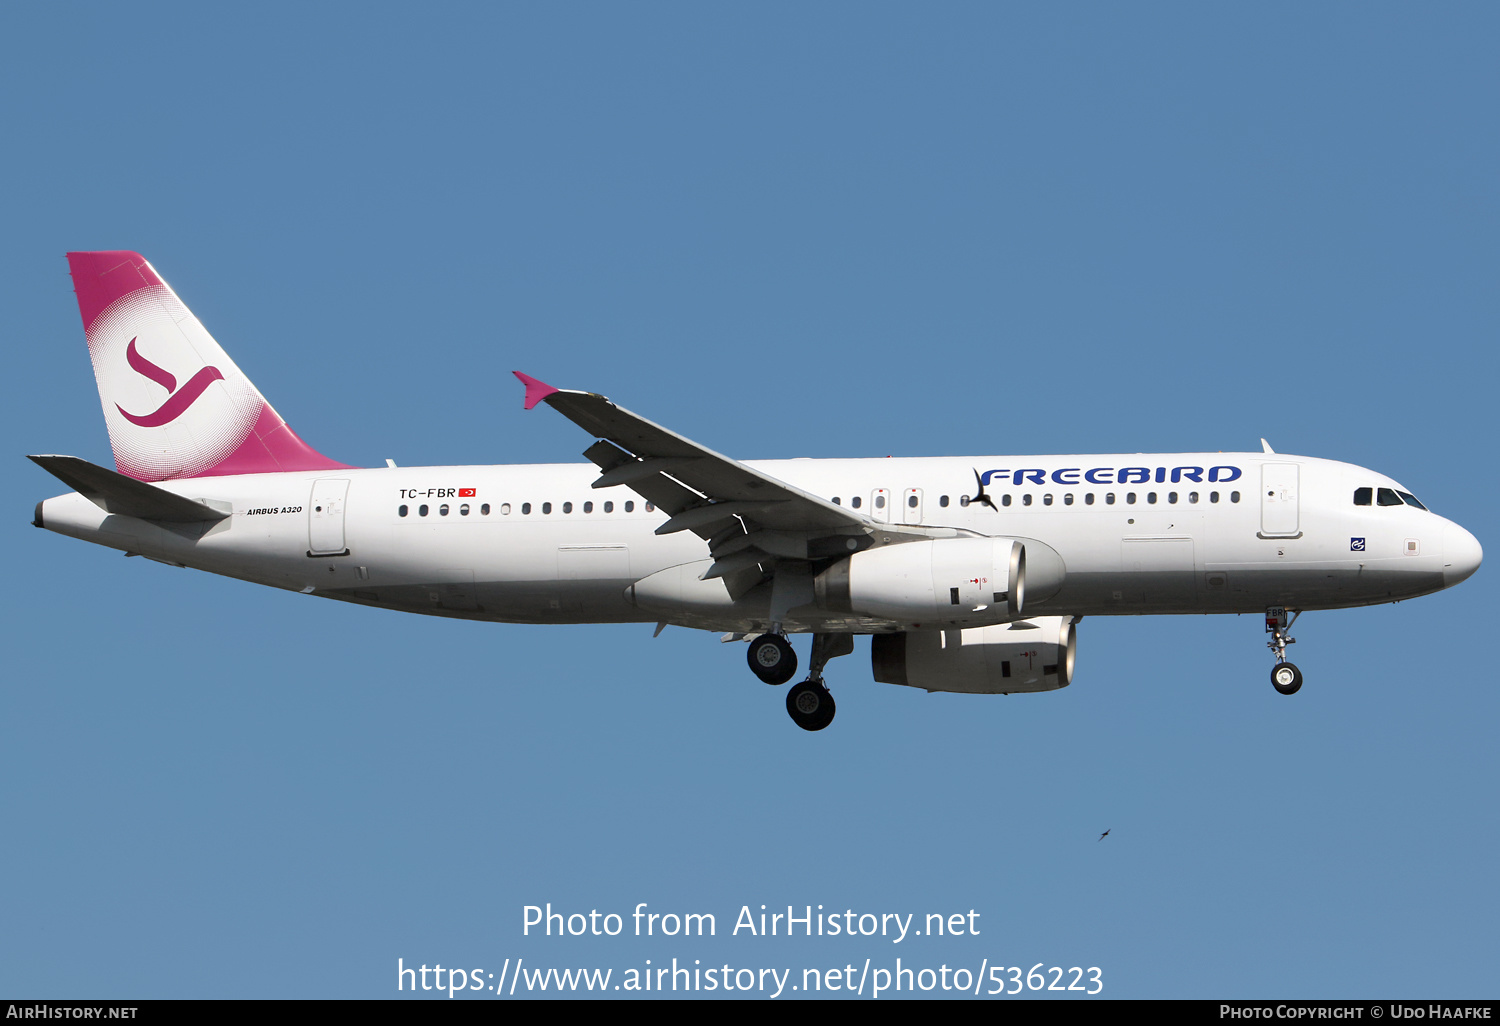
(1411, 500)
(1363, 496)
(1387, 497)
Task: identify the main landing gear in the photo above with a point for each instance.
(772, 659)
(808, 703)
(1285, 677)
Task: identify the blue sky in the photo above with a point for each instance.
(782, 230)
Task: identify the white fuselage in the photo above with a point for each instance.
(1202, 533)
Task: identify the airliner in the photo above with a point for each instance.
(969, 574)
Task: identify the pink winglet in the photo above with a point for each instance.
(536, 390)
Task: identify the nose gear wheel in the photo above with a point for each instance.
(1285, 677)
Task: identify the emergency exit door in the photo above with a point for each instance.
(911, 506)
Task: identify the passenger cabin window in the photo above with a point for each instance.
(1026, 499)
(402, 511)
(421, 511)
(838, 502)
(629, 505)
(855, 502)
(911, 501)
(588, 507)
(546, 507)
(943, 501)
(1005, 499)
(1364, 496)
(1388, 497)
(1088, 499)
(443, 510)
(526, 509)
(609, 507)
(463, 510)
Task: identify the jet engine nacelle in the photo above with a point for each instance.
(943, 581)
(1032, 655)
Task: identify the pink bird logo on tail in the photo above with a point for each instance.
(178, 401)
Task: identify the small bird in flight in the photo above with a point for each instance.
(1104, 835)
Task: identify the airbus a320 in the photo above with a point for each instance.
(970, 574)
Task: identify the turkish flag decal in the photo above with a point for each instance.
(466, 493)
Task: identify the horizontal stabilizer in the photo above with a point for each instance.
(116, 493)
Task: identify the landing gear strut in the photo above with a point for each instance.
(809, 703)
(1285, 677)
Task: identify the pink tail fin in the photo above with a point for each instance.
(174, 403)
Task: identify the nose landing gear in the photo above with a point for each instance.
(1285, 677)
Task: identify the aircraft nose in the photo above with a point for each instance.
(1461, 554)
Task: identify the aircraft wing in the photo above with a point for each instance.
(706, 492)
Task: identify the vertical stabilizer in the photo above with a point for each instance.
(174, 403)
